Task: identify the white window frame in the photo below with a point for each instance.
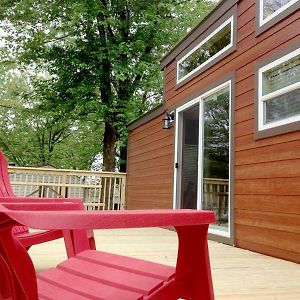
(262, 98)
(263, 21)
(228, 21)
(199, 100)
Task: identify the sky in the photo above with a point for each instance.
(1, 40)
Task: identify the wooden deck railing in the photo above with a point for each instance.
(99, 190)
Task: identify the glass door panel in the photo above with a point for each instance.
(189, 157)
(215, 156)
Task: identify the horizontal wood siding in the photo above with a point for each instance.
(150, 166)
(267, 171)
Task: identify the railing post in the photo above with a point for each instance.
(64, 189)
(122, 192)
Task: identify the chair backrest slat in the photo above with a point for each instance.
(5, 187)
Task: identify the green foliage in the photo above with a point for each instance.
(216, 133)
(31, 137)
(102, 56)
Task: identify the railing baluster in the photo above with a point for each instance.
(104, 195)
(122, 191)
(109, 194)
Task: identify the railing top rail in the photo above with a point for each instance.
(64, 171)
(216, 179)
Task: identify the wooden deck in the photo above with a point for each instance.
(237, 274)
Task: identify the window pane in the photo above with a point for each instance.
(216, 156)
(271, 6)
(209, 49)
(282, 75)
(282, 107)
(190, 142)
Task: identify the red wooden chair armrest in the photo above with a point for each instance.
(59, 219)
(191, 225)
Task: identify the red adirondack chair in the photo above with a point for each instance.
(22, 232)
(94, 274)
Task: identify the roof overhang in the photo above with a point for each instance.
(152, 114)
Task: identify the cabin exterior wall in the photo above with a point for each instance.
(150, 166)
(266, 170)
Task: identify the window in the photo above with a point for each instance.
(269, 9)
(279, 92)
(206, 51)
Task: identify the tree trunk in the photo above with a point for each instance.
(109, 147)
(123, 159)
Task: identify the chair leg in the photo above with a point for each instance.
(91, 238)
(69, 243)
(193, 274)
(77, 241)
(92, 243)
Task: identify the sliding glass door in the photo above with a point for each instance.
(189, 157)
(203, 156)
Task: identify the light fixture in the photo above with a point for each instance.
(168, 119)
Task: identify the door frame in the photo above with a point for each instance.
(225, 237)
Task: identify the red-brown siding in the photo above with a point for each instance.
(267, 171)
(150, 161)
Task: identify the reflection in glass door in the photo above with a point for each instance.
(203, 155)
(215, 156)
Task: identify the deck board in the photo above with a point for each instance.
(237, 274)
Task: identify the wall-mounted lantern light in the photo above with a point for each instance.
(168, 120)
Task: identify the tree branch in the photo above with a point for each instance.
(57, 39)
(6, 106)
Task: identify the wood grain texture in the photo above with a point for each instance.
(284, 204)
(266, 237)
(162, 161)
(274, 186)
(248, 142)
(269, 220)
(273, 169)
(267, 153)
(267, 171)
(274, 251)
(247, 15)
(150, 166)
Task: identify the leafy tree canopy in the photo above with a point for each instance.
(31, 137)
(102, 56)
